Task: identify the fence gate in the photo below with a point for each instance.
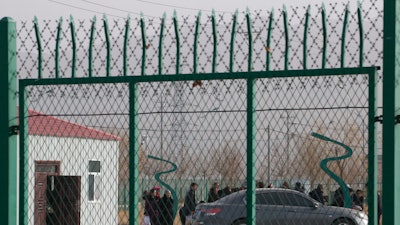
(91, 145)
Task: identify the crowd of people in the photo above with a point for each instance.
(159, 211)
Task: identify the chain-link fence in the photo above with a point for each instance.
(79, 153)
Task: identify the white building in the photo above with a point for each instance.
(72, 173)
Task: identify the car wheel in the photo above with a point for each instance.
(240, 222)
(343, 221)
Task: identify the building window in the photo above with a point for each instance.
(94, 180)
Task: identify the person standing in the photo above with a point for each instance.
(152, 207)
(213, 195)
(318, 193)
(189, 205)
(146, 219)
(166, 206)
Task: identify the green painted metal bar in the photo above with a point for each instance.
(286, 28)
(134, 151)
(324, 166)
(73, 38)
(391, 104)
(251, 153)
(108, 46)
(23, 155)
(91, 42)
(144, 45)
(215, 42)
(268, 47)
(126, 41)
(250, 36)
(195, 44)
(324, 36)
(306, 24)
(39, 46)
(57, 50)
(204, 76)
(8, 119)
(361, 32)
(160, 45)
(178, 44)
(372, 149)
(232, 45)
(344, 31)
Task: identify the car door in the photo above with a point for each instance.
(267, 208)
(301, 209)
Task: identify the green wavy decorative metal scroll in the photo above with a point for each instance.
(157, 177)
(324, 162)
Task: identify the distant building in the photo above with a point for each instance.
(71, 173)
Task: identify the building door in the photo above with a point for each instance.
(43, 169)
(63, 197)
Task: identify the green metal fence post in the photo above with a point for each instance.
(178, 44)
(391, 105)
(361, 33)
(195, 44)
(8, 140)
(372, 150)
(251, 152)
(250, 37)
(306, 23)
(133, 153)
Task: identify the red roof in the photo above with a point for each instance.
(44, 125)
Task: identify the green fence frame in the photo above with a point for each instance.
(9, 191)
(250, 78)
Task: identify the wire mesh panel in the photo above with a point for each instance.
(76, 155)
(103, 145)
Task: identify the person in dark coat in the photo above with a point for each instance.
(214, 193)
(166, 206)
(189, 204)
(358, 199)
(338, 198)
(318, 193)
(152, 207)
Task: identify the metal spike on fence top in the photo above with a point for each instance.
(178, 49)
(232, 44)
(144, 44)
(196, 37)
(286, 28)
(268, 47)
(91, 41)
(250, 37)
(125, 48)
(107, 36)
(57, 50)
(324, 34)
(361, 33)
(39, 46)
(73, 39)
(160, 44)
(215, 42)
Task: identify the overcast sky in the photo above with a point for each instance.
(53, 9)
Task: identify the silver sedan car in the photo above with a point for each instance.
(275, 206)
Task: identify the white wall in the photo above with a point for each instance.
(74, 154)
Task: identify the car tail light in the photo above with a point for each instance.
(211, 211)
